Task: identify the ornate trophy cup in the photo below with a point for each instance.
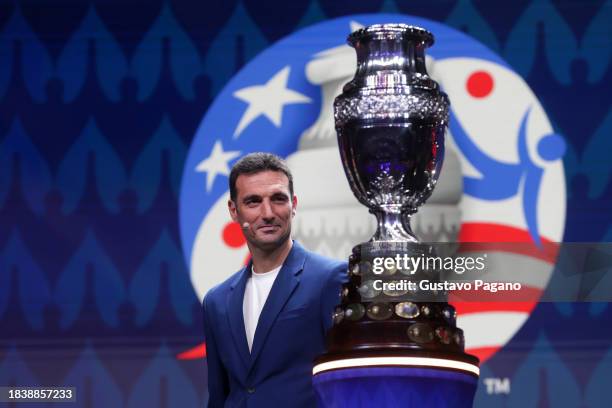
(394, 347)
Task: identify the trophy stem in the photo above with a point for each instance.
(392, 226)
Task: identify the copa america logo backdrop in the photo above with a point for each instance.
(503, 178)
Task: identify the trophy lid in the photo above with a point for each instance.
(391, 56)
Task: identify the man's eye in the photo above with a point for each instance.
(280, 199)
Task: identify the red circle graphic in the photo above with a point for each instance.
(479, 84)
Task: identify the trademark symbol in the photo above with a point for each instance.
(496, 386)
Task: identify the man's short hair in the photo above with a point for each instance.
(255, 163)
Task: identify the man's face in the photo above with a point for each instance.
(264, 201)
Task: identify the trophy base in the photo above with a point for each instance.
(399, 333)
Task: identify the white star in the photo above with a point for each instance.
(216, 163)
(268, 99)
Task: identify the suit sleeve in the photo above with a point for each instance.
(331, 294)
(218, 388)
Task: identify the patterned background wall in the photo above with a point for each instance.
(99, 101)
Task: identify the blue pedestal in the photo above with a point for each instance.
(383, 387)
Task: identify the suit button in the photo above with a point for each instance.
(250, 390)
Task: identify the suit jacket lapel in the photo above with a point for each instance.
(235, 315)
(284, 285)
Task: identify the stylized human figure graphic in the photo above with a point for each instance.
(503, 180)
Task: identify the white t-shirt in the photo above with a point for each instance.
(255, 294)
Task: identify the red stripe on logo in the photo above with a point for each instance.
(496, 237)
(194, 353)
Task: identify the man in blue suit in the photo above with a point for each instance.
(266, 323)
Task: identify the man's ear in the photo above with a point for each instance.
(294, 205)
(231, 206)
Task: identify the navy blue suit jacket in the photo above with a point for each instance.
(289, 335)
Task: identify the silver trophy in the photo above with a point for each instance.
(390, 120)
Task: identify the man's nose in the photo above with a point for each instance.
(266, 210)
